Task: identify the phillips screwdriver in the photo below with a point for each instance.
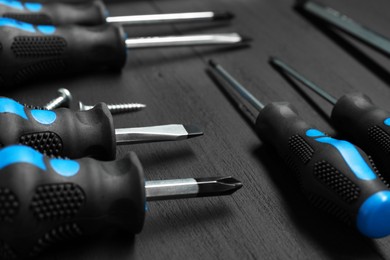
(43, 51)
(335, 175)
(45, 201)
(94, 13)
(346, 24)
(356, 116)
(75, 134)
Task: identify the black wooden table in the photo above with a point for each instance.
(268, 218)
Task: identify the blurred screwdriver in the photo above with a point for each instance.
(356, 117)
(31, 52)
(335, 175)
(75, 134)
(47, 200)
(346, 24)
(94, 13)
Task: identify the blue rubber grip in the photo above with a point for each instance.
(349, 153)
(45, 29)
(44, 117)
(23, 154)
(17, 5)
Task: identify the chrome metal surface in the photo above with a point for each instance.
(185, 40)
(171, 189)
(116, 108)
(63, 100)
(149, 19)
(293, 73)
(159, 133)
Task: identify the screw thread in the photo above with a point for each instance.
(126, 107)
(55, 103)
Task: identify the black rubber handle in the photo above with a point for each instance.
(43, 51)
(46, 201)
(366, 125)
(61, 132)
(335, 175)
(55, 13)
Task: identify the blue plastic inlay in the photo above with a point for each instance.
(7, 22)
(352, 157)
(8, 105)
(374, 214)
(33, 7)
(44, 117)
(46, 29)
(66, 168)
(314, 133)
(21, 154)
(13, 4)
(350, 154)
(387, 121)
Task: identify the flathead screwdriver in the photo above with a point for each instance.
(42, 51)
(346, 24)
(47, 201)
(356, 117)
(75, 134)
(94, 13)
(335, 175)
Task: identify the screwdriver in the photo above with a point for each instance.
(356, 116)
(94, 13)
(30, 52)
(75, 134)
(346, 24)
(335, 175)
(45, 201)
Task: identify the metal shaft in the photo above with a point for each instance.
(240, 89)
(185, 40)
(150, 19)
(191, 187)
(156, 133)
(348, 25)
(293, 73)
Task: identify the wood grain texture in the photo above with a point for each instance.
(268, 218)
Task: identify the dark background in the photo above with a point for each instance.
(268, 218)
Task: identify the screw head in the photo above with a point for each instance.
(65, 93)
(81, 106)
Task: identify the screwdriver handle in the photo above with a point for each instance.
(54, 13)
(45, 201)
(59, 132)
(335, 175)
(367, 125)
(36, 52)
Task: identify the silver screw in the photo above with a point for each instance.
(116, 108)
(63, 100)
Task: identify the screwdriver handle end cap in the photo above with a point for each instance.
(374, 214)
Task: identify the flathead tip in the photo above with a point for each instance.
(245, 39)
(193, 131)
(223, 16)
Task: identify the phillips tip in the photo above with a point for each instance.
(191, 188)
(217, 186)
(193, 131)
